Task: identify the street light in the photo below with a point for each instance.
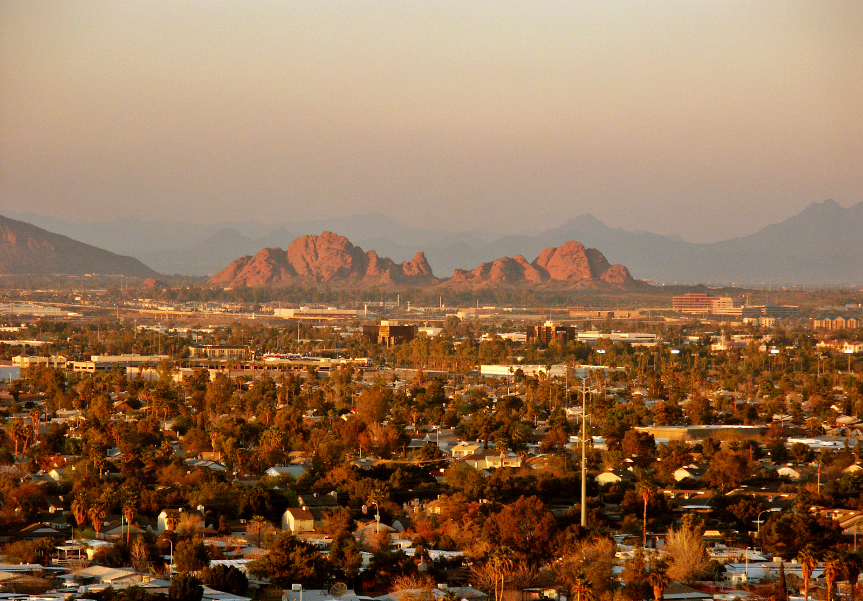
(601, 351)
(298, 587)
(377, 520)
(849, 351)
(758, 519)
(584, 391)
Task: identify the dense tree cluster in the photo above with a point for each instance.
(129, 442)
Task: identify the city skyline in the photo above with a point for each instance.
(702, 121)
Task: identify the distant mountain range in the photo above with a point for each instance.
(332, 260)
(819, 246)
(27, 249)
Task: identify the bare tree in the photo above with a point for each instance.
(140, 555)
(686, 550)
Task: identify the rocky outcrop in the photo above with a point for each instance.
(503, 271)
(569, 265)
(28, 250)
(153, 284)
(330, 259)
(326, 259)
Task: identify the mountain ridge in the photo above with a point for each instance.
(817, 246)
(29, 250)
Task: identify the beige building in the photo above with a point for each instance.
(298, 519)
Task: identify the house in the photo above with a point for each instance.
(298, 520)
(690, 472)
(493, 459)
(167, 520)
(613, 477)
(295, 470)
(690, 500)
(677, 591)
(466, 449)
(58, 473)
(461, 592)
(836, 322)
(316, 502)
(103, 575)
(56, 504)
(119, 529)
(40, 530)
(205, 464)
(790, 471)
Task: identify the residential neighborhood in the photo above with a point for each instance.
(665, 459)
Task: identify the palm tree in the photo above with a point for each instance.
(853, 564)
(80, 507)
(832, 572)
(659, 580)
(129, 508)
(583, 587)
(500, 562)
(97, 513)
(645, 492)
(808, 561)
(257, 525)
(35, 414)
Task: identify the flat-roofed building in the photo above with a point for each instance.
(312, 313)
(701, 302)
(635, 338)
(549, 331)
(390, 332)
(54, 361)
(212, 351)
(770, 310)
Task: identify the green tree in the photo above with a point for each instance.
(526, 526)
(185, 587)
(224, 578)
(191, 555)
(290, 561)
(791, 532)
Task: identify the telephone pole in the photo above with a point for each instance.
(584, 391)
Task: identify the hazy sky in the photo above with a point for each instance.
(704, 119)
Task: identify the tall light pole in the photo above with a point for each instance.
(584, 391)
(758, 519)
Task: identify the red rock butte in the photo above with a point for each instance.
(569, 265)
(326, 259)
(330, 259)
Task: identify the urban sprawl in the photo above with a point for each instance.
(710, 449)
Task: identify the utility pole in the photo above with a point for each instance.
(584, 391)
